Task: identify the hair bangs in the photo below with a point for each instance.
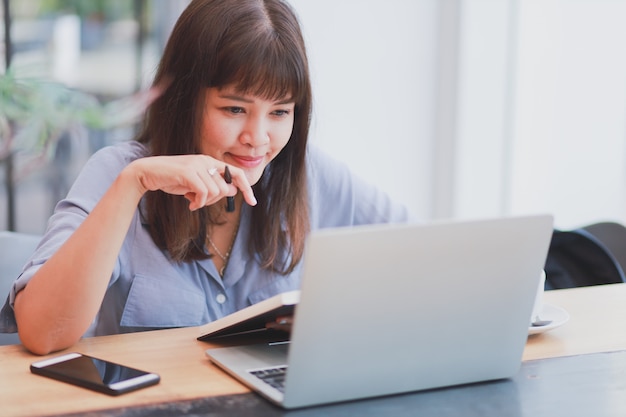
(265, 68)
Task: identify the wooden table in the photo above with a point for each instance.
(597, 315)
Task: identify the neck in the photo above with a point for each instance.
(221, 238)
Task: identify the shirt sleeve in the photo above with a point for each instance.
(93, 181)
(340, 198)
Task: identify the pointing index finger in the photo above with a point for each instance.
(242, 183)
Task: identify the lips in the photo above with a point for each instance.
(247, 161)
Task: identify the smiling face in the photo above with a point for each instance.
(245, 131)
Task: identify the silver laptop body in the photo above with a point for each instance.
(390, 309)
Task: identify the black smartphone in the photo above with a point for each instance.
(96, 374)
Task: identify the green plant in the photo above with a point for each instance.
(89, 8)
(35, 114)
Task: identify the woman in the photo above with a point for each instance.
(143, 239)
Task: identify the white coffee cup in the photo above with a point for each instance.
(538, 306)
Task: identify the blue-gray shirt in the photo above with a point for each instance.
(149, 291)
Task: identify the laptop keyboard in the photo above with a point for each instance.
(272, 376)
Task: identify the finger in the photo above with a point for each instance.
(216, 175)
(282, 323)
(226, 188)
(212, 189)
(241, 181)
(218, 182)
(193, 204)
(205, 189)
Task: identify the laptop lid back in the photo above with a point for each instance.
(391, 309)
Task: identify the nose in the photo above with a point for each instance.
(255, 132)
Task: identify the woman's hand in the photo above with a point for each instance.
(282, 323)
(197, 177)
(64, 295)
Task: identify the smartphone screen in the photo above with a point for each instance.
(93, 373)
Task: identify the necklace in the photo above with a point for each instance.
(224, 256)
(217, 251)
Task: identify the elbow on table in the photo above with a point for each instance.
(43, 343)
(41, 336)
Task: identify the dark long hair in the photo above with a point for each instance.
(256, 46)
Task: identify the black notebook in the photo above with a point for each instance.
(252, 320)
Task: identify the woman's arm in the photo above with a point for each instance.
(341, 198)
(62, 298)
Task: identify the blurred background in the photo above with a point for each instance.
(458, 108)
(108, 49)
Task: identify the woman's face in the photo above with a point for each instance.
(245, 131)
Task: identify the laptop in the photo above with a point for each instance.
(389, 309)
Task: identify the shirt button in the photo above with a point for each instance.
(221, 298)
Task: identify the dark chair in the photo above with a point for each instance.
(613, 237)
(15, 249)
(590, 255)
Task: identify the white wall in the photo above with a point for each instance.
(556, 90)
(373, 67)
(476, 108)
(570, 117)
(485, 67)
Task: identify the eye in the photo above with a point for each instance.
(234, 109)
(281, 112)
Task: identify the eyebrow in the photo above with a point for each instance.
(246, 100)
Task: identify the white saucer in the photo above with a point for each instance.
(550, 312)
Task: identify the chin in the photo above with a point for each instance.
(254, 177)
